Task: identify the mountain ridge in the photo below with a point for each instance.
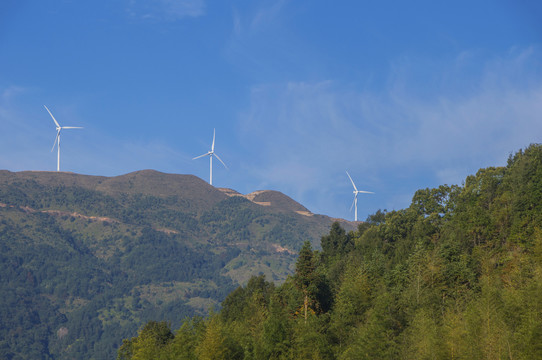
(147, 181)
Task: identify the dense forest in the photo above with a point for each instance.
(86, 260)
(456, 275)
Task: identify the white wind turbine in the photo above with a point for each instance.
(57, 139)
(356, 192)
(211, 154)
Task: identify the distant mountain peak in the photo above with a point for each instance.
(271, 198)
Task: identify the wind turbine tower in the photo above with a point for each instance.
(356, 192)
(211, 154)
(57, 139)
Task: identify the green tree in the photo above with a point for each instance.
(337, 242)
(454, 334)
(375, 338)
(305, 276)
(237, 305)
(336, 249)
(353, 299)
(187, 338)
(423, 339)
(277, 332)
(216, 343)
(488, 330)
(149, 344)
(310, 339)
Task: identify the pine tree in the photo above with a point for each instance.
(305, 276)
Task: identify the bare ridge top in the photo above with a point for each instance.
(276, 199)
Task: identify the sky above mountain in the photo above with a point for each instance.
(403, 95)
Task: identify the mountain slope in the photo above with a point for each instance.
(87, 259)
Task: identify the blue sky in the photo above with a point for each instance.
(403, 95)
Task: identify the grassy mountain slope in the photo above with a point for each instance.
(85, 260)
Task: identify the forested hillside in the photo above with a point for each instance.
(456, 275)
(86, 260)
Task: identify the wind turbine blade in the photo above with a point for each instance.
(56, 138)
(219, 159)
(71, 127)
(365, 192)
(352, 181)
(56, 122)
(213, 145)
(353, 201)
(197, 157)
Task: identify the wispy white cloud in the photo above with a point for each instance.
(307, 134)
(261, 17)
(262, 40)
(166, 10)
(237, 27)
(266, 14)
(9, 92)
